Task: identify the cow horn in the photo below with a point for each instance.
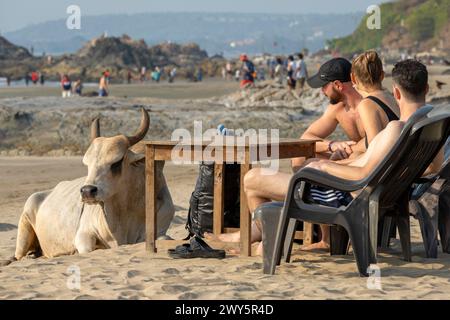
(95, 129)
(143, 128)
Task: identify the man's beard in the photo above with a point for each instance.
(336, 97)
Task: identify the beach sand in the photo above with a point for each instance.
(129, 272)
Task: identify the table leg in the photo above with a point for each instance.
(150, 199)
(308, 227)
(219, 179)
(246, 220)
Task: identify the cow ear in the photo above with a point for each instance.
(135, 158)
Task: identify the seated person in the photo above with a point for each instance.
(410, 87)
(335, 80)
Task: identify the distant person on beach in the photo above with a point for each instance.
(272, 64)
(78, 87)
(41, 79)
(199, 75)
(291, 68)
(103, 86)
(34, 77)
(229, 70)
(172, 74)
(107, 75)
(129, 77)
(8, 81)
(278, 71)
(301, 72)
(27, 79)
(248, 71)
(143, 72)
(237, 75)
(156, 74)
(66, 86)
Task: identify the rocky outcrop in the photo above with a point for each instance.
(119, 55)
(9, 51)
(272, 94)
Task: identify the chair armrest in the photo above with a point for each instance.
(326, 180)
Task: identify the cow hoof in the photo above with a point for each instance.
(4, 263)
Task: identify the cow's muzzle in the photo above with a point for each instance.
(89, 193)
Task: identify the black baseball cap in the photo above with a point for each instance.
(335, 69)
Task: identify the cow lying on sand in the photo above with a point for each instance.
(103, 210)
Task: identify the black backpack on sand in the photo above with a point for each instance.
(201, 204)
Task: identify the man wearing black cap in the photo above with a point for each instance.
(334, 79)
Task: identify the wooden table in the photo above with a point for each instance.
(247, 153)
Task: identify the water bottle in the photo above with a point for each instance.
(221, 130)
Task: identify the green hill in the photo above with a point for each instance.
(405, 24)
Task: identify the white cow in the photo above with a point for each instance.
(103, 210)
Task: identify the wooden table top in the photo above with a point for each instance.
(232, 141)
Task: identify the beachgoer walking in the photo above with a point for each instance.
(8, 81)
(301, 72)
(103, 86)
(27, 79)
(291, 68)
(172, 74)
(41, 78)
(248, 71)
(229, 70)
(143, 71)
(279, 71)
(237, 75)
(224, 73)
(129, 77)
(66, 86)
(78, 87)
(199, 74)
(156, 74)
(34, 77)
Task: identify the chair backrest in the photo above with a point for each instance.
(421, 139)
(445, 171)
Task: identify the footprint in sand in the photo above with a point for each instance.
(171, 271)
(172, 289)
(188, 296)
(131, 274)
(84, 297)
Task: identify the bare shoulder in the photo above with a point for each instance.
(367, 106)
(395, 125)
(333, 109)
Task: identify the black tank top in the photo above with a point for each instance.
(389, 113)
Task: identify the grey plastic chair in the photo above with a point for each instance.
(386, 189)
(430, 205)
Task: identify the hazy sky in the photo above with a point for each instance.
(15, 14)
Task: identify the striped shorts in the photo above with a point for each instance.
(328, 197)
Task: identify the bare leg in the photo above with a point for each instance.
(323, 244)
(261, 186)
(298, 163)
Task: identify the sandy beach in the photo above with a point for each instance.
(129, 272)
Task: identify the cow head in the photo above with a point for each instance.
(109, 161)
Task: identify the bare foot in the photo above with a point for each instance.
(224, 237)
(316, 246)
(257, 252)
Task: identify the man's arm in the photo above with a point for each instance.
(365, 164)
(436, 165)
(321, 129)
